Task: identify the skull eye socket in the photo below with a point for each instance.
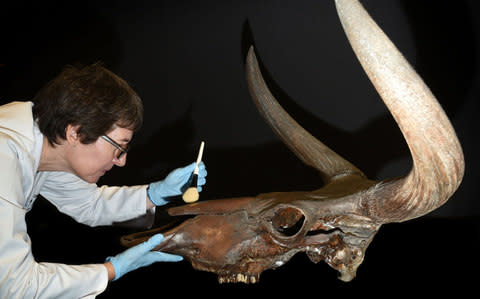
(288, 221)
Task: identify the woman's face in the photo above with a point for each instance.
(91, 161)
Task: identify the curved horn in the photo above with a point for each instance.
(306, 147)
(438, 163)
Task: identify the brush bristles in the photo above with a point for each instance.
(191, 195)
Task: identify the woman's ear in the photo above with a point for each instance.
(71, 134)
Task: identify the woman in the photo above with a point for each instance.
(78, 127)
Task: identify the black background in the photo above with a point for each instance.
(186, 60)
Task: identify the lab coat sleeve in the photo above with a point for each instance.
(92, 205)
(22, 277)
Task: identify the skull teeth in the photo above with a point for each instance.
(232, 278)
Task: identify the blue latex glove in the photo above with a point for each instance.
(140, 256)
(173, 183)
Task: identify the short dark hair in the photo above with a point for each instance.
(91, 97)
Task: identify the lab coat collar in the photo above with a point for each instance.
(17, 117)
(18, 126)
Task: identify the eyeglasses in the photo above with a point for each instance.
(123, 151)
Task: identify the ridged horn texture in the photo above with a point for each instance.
(438, 163)
(306, 147)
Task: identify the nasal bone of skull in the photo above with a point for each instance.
(206, 236)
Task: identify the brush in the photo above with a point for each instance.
(191, 195)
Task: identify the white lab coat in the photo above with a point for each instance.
(20, 183)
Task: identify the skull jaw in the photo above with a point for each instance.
(336, 252)
(247, 264)
(227, 245)
(239, 244)
(244, 259)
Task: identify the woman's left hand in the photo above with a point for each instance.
(172, 185)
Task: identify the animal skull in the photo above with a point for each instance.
(239, 238)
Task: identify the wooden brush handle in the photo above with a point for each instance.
(199, 157)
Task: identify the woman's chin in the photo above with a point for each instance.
(92, 179)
